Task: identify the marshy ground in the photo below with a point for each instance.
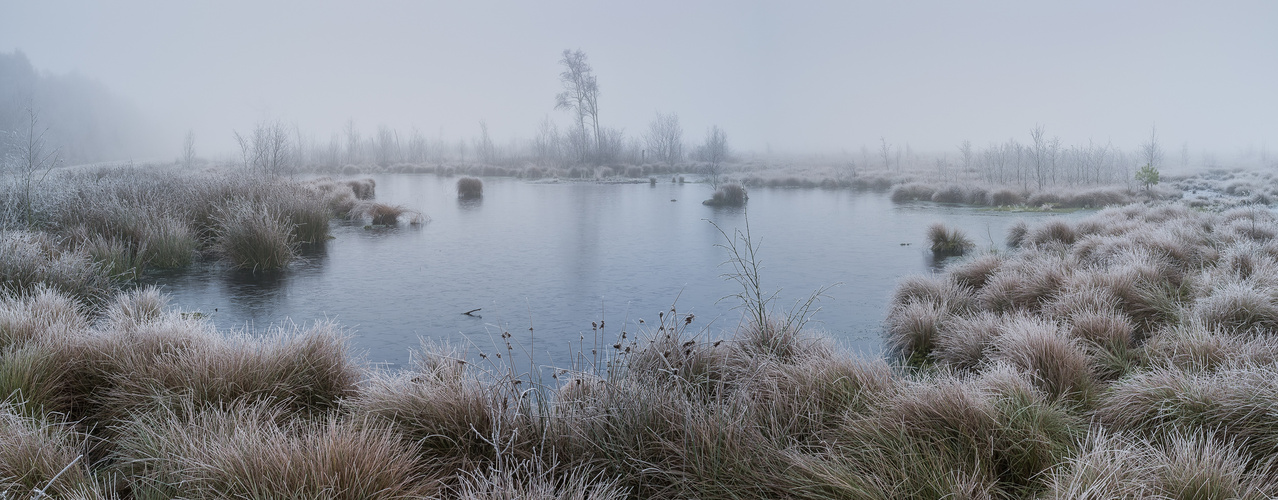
(1127, 354)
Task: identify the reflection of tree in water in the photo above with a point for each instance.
(470, 204)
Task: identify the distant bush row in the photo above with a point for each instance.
(1007, 197)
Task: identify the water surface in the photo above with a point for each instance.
(556, 257)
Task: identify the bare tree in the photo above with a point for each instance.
(885, 151)
(188, 149)
(484, 144)
(417, 152)
(30, 156)
(665, 138)
(714, 151)
(1053, 155)
(996, 156)
(577, 143)
(1150, 152)
(333, 155)
(1039, 154)
(267, 149)
(969, 157)
(581, 91)
(387, 145)
(612, 144)
(352, 141)
(546, 142)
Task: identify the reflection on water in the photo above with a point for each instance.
(557, 256)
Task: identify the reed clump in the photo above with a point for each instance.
(947, 242)
(728, 195)
(253, 239)
(470, 188)
(381, 214)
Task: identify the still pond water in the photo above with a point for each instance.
(557, 256)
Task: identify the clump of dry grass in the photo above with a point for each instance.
(469, 188)
(307, 214)
(254, 239)
(1053, 231)
(728, 195)
(975, 272)
(1016, 233)
(1194, 347)
(1055, 361)
(41, 313)
(364, 189)
(964, 344)
(132, 309)
(307, 371)
(42, 456)
(947, 242)
(117, 257)
(991, 436)
(1238, 306)
(28, 260)
(1025, 284)
(913, 191)
(532, 482)
(934, 289)
(1188, 465)
(455, 420)
(912, 330)
(1228, 403)
(187, 450)
(381, 214)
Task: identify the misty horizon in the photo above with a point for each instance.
(813, 79)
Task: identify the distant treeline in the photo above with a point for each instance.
(84, 120)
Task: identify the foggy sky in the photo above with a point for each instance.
(816, 77)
